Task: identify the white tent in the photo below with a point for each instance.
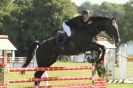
(107, 44)
(6, 45)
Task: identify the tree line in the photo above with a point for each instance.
(26, 21)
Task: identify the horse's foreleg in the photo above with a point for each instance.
(38, 74)
(103, 53)
(92, 47)
(102, 47)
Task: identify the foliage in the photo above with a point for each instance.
(1, 74)
(127, 23)
(5, 8)
(85, 5)
(31, 20)
(28, 20)
(123, 13)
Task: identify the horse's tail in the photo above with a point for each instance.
(30, 53)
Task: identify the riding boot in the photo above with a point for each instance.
(63, 42)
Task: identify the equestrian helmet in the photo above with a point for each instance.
(86, 12)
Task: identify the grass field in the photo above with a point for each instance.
(60, 74)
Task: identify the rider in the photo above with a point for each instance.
(78, 22)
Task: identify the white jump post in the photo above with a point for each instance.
(123, 64)
(110, 61)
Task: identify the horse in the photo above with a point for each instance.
(47, 52)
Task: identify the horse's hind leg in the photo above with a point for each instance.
(48, 63)
(38, 74)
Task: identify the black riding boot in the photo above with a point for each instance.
(63, 42)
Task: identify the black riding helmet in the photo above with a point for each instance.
(85, 12)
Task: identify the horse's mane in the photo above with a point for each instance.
(99, 18)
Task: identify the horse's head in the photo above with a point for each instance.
(112, 29)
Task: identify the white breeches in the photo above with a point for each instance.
(66, 29)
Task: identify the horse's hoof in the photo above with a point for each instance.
(22, 72)
(37, 83)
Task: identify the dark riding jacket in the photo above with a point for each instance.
(77, 23)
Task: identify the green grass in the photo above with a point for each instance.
(60, 74)
(120, 85)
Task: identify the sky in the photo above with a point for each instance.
(79, 2)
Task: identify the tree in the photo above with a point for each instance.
(38, 20)
(51, 13)
(86, 6)
(127, 23)
(5, 9)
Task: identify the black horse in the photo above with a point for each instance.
(47, 51)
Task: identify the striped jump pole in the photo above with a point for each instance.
(52, 68)
(98, 84)
(80, 85)
(50, 79)
(94, 84)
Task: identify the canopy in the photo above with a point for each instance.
(5, 44)
(106, 44)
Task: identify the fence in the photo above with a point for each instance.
(97, 83)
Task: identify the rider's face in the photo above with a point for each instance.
(86, 17)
